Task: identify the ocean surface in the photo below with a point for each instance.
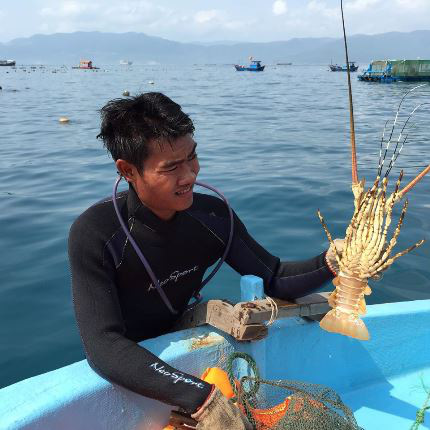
(276, 143)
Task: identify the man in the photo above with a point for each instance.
(181, 234)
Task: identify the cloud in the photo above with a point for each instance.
(321, 8)
(362, 5)
(279, 7)
(204, 16)
(104, 15)
(413, 4)
(147, 16)
(216, 19)
(68, 9)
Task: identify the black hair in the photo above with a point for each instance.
(127, 125)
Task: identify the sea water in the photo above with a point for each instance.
(276, 143)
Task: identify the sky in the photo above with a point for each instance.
(210, 21)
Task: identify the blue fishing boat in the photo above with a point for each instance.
(338, 68)
(383, 75)
(383, 380)
(254, 66)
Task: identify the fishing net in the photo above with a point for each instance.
(288, 404)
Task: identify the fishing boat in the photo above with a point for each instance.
(125, 62)
(378, 74)
(86, 65)
(338, 68)
(7, 62)
(383, 380)
(254, 66)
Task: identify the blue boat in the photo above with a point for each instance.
(337, 68)
(382, 75)
(382, 380)
(255, 66)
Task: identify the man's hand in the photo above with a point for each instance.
(217, 412)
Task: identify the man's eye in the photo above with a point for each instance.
(192, 157)
(171, 169)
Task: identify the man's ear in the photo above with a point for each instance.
(126, 170)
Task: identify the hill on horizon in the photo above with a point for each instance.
(109, 48)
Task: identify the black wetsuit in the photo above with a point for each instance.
(117, 306)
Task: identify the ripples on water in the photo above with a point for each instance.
(276, 143)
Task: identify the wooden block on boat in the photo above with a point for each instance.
(250, 332)
(246, 320)
(259, 311)
(220, 314)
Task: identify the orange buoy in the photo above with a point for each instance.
(218, 377)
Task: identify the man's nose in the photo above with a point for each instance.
(188, 175)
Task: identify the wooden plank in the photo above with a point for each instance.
(259, 311)
(247, 320)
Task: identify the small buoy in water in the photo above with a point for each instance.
(126, 93)
(64, 120)
(151, 82)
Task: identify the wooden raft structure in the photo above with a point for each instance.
(247, 320)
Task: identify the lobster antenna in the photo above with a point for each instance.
(381, 164)
(424, 172)
(398, 110)
(415, 181)
(351, 109)
(382, 160)
(395, 152)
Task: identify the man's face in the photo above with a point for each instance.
(166, 183)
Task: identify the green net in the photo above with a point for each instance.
(288, 404)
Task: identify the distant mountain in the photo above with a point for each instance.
(109, 48)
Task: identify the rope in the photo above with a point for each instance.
(274, 314)
(420, 414)
(241, 395)
(252, 364)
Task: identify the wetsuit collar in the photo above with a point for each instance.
(141, 212)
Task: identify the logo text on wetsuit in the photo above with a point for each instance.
(174, 276)
(176, 376)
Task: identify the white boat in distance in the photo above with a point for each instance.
(125, 63)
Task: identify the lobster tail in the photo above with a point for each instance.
(336, 321)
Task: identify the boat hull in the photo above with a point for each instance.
(249, 69)
(377, 78)
(377, 379)
(343, 69)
